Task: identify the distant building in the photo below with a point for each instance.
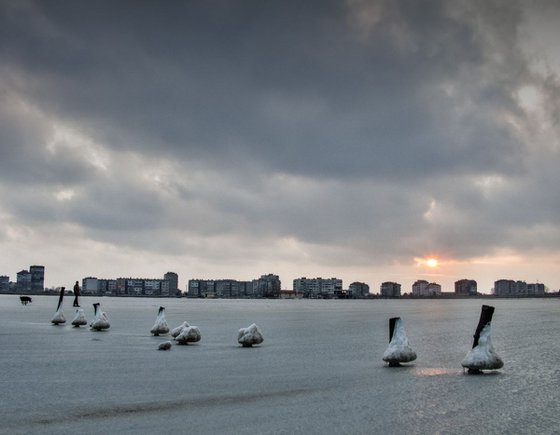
(318, 287)
(358, 290)
(37, 278)
(23, 283)
(537, 289)
(390, 289)
(466, 287)
(267, 286)
(90, 286)
(173, 279)
(4, 283)
(508, 287)
(425, 288)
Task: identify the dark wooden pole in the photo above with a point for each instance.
(485, 317)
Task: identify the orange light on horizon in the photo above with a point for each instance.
(432, 262)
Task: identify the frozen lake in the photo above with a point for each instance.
(319, 369)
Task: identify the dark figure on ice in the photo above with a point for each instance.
(76, 294)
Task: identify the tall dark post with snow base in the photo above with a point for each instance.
(482, 355)
(398, 350)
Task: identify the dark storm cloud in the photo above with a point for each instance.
(294, 87)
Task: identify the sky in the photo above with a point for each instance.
(230, 139)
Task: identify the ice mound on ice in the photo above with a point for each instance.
(160, 327)
(166, 345)
(250, 336)
(80, 318)
(176, 331)
(100, 321)
(188, 334)
(398, 350)
(483, 356)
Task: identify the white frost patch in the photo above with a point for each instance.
(399, 350)
(483, 356)
(80, 318)
(161, 326)
(188, 334)
(250, 336)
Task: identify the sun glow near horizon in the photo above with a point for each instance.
(430, 262)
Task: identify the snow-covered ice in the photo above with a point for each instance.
(319, 372)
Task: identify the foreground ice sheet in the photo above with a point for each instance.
(161, 326)
(188, 334)
(483, 356)
(250, 336)
(80, 318)
(399, 350)
(101, 321)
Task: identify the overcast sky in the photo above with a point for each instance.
(231, 139)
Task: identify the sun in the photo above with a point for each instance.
(432, 262)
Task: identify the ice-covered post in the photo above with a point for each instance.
(486, 314)
(398, 350)
(482, 355)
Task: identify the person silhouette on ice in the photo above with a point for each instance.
(76, 294)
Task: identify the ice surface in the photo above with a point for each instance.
(399, 350)
(80, 318)
(483, 356)
(249, 336)
(319, 373)
(160, 327)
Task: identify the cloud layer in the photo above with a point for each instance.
(231, 139)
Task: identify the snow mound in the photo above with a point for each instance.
(188, 334)
(176, 331)
(160, 327)
(80, 318)
(250, 336)
(101, 321)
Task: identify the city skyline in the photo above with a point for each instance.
(268, 285)
(369, 140)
